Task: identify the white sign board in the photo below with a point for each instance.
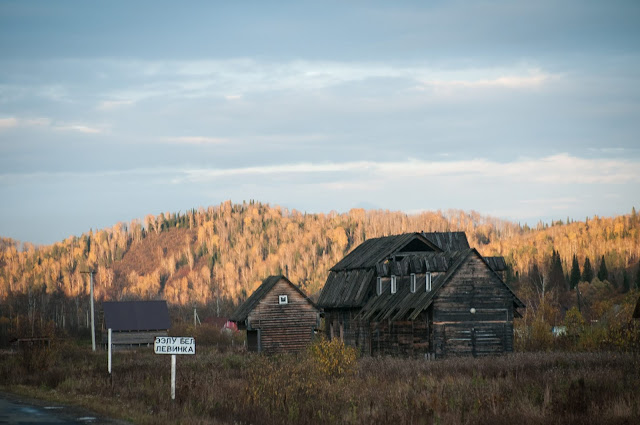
(174, 345)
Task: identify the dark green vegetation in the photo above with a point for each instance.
(326, 384)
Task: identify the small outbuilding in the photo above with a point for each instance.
(278, 317)
(134, 323)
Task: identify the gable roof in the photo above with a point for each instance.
(372, 251)
(243, 310)
(448, 241)
(136, 315)
(404, 303)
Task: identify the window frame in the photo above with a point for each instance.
(379, 286)
(412, 284)
(394, 284)
(283, 299)
(427, 281)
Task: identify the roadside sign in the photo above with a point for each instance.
(174, 345)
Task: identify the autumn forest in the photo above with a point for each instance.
(214, 257)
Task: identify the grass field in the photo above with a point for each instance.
(327, 384)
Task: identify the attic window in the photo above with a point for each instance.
(394, 285)
(413, 283)
(283, 299)
(427, 281)
(379, 286)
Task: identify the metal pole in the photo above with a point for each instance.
(109, 351)
(173, 377)
(93, 327)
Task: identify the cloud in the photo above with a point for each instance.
(80, 128)
(8, 123)
(13, 122)
(106, 105)
(196, 140)
(557, 169)
(233, 79)
(506, 81)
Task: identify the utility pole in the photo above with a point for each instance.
(93, 327)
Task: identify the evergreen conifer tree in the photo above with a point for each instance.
(556, 275)
(587, 271)
(603, 273)
(574, 278)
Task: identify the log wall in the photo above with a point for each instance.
(283, 327)
(403, 338)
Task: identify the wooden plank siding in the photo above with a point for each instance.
(283, 327)
(489, 329)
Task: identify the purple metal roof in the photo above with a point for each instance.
(136, 315)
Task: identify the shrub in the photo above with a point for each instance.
(333, 358)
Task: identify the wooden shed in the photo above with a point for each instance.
(419, 295)
(134, 323)
(278, 317)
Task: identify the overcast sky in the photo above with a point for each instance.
(524, 110)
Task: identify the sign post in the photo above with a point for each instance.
(173, 377)
(174, 345)
(109, 342)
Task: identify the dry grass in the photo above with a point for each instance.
(232, 387)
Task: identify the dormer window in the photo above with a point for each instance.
(283, 299)
(413, 283)
(427, 281)
(379, 286)
(394, 285)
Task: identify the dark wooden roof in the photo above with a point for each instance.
(372, 251)
(398, 305)
(136, 315)
(448, 241)
(496, 263)
(244, 309)
(426, 262)
(346, 288)
(404, 304)
(350, 282)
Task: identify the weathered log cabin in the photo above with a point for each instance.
(420, 294)
(134, 323)
(278, 317)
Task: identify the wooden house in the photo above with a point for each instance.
(134, 323)
(278, 317)
(419, 294)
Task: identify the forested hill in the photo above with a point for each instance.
(222, 253)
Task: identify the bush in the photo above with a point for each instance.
(333, 358)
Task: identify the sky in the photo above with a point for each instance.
(523, 110)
